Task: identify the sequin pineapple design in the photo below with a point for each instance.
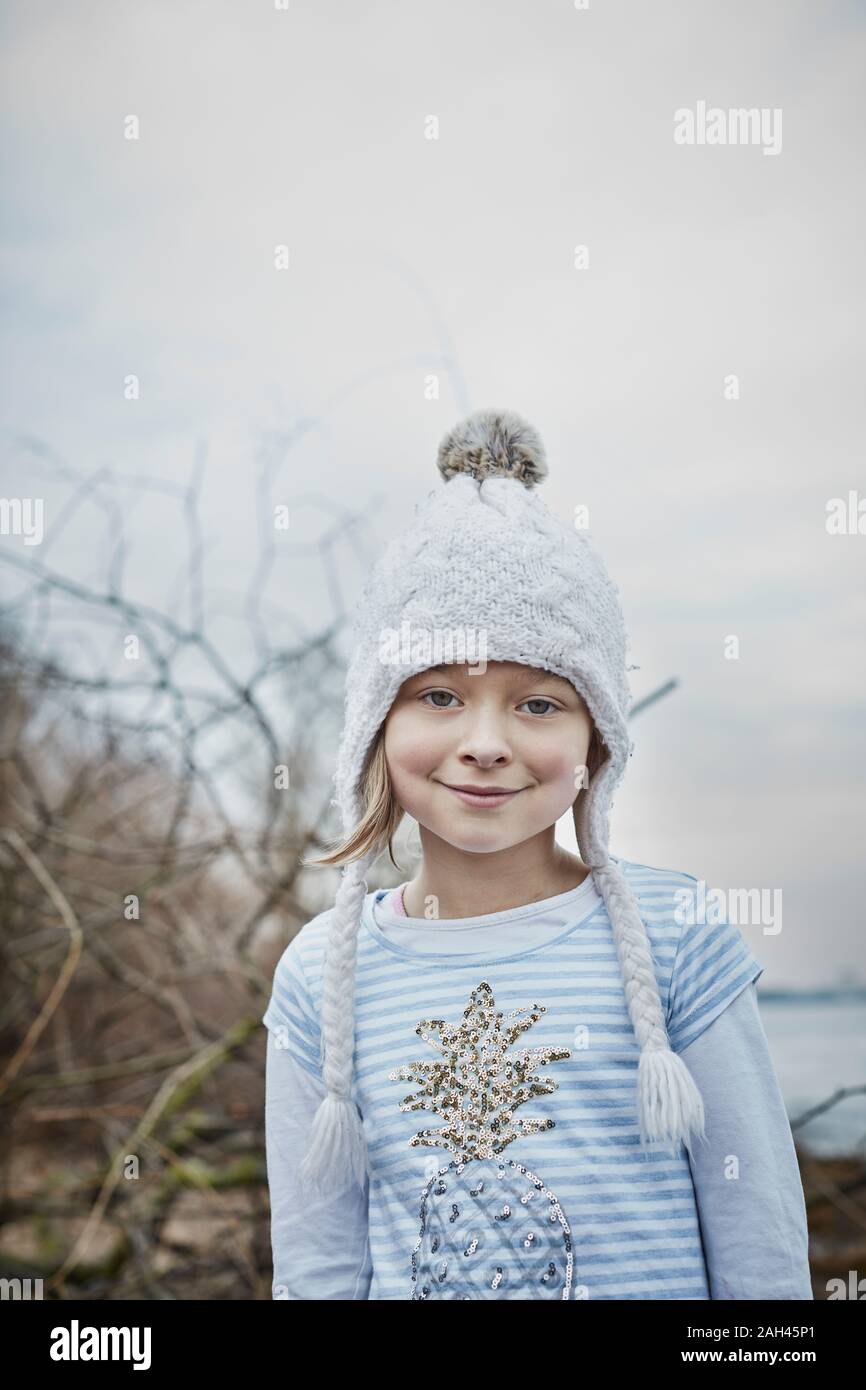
(490, 1228)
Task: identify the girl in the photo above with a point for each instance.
(523, 1074)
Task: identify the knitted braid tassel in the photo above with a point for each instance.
(669, 1105)
(338, 1149)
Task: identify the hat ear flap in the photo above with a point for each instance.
(592, 805)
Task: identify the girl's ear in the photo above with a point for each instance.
(596, 757)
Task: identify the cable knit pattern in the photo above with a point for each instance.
(490, 557)
(483, 554)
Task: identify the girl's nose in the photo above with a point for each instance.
(484, 745)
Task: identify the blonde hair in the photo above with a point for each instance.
(383, 812)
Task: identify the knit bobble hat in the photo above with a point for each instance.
(485, 557)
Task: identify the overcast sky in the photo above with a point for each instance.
(453, 258)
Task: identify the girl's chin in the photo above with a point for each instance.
(479, 844)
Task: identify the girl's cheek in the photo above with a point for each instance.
(553, 766)
(411, 747)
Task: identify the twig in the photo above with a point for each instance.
(61, 984)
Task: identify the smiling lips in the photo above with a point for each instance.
(485, 797)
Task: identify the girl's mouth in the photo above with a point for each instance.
(483, 796)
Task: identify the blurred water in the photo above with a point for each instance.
(817, 1048)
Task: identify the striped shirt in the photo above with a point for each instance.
(630, 1220)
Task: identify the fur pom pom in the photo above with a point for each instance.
(493, 443)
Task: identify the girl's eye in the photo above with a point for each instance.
(439, 699)
(447, 693)
(539, 700)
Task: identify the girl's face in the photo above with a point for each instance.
(514, 732)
